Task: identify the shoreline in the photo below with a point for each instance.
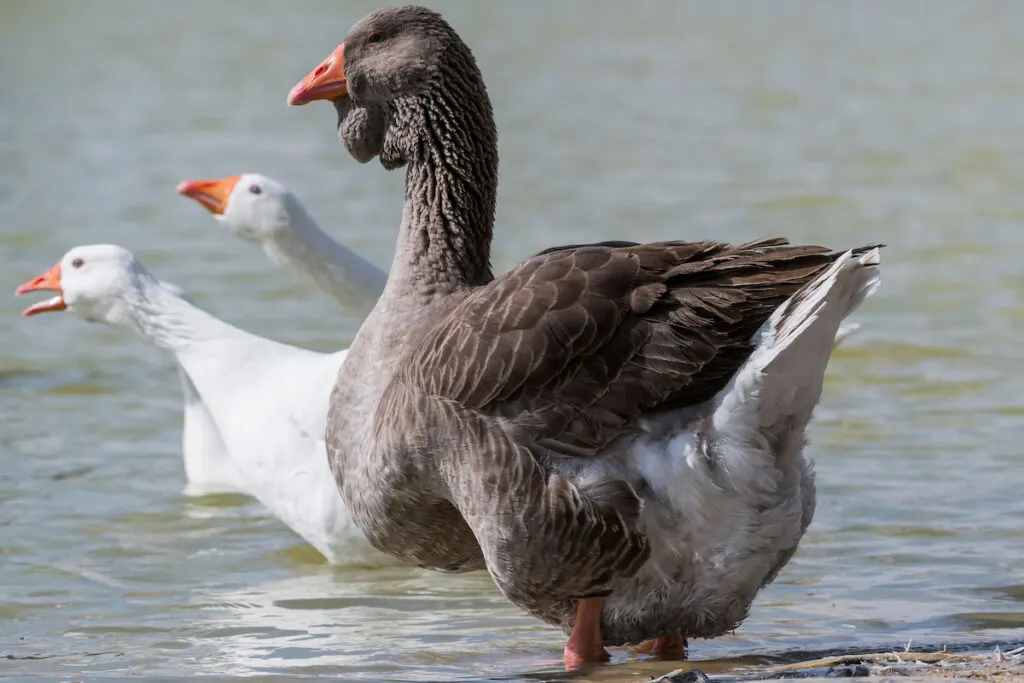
(994, 667)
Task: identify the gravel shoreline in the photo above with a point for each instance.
(906, 666)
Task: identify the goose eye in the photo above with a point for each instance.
(77, 263)
(374, 37)
(255, 189)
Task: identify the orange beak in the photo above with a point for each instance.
(47, 282)
(213, 194)
(326, 82)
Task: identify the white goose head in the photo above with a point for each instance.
(252, 206)
(95, 282)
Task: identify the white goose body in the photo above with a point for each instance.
(208, 466)
(264, 403)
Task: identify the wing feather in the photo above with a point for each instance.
(576, 343)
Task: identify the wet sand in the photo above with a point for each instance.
(996, 667)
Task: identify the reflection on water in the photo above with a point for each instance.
(835, 123)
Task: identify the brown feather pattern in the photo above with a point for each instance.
(609, 331)
(567, 351)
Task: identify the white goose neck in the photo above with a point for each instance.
(167, 320)
(315, 257)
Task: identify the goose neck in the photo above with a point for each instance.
(451, 184)
(169, 321)
(315, 257)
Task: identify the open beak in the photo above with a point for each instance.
(213, 194)
(47, 282)
(326, 82)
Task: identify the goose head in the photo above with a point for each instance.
(388, 53)
(251, 206)
(94, 282)
(392, 55)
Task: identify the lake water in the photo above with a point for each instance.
(839, 123)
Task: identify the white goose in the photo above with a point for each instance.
(261, 210)
(265, 401)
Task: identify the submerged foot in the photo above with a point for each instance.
(576, 656)
(666, 647)
(586, 645)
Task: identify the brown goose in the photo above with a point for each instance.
(615, 431)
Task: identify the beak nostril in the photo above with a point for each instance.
(320, 70)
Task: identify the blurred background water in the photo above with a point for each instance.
(838, 123)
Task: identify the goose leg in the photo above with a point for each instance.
(666, 647)
(586, 644)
